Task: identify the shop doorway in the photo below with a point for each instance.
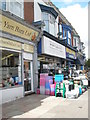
(28, 76)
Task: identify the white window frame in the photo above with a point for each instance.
(49, 21)
(69, 38)
(22, 7)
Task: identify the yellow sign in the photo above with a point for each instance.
(28, 48)
(10, 26)
(70, 51)
(10, 44)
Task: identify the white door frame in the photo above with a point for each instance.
(31, 67)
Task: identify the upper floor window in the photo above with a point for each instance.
(45, 18)
(74, 41)
(3, 4)
(65, 33)
(60, 30)
(49, 21)
(69, 38)
(52, 24)
(16, 7)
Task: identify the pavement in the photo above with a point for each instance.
(42, 106)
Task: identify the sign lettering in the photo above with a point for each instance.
(10, 26)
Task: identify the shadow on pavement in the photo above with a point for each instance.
(20, 106)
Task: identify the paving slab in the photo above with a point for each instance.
(42, 106)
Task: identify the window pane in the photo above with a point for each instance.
(46, 27)
(69, 35)
(52, 29)
(16, 8)
(69, 41)
(45, 16)
(11, 69)
(3, 4)
(69, 38)
(65, 33)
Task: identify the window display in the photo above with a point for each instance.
(11, 69)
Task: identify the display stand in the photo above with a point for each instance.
(58, 89)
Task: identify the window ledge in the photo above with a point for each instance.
(3, 88)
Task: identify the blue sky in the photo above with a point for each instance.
(66, 3)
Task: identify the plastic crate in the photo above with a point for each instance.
(59, 78)
(42, 90)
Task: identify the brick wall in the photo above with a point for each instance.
(29, 11)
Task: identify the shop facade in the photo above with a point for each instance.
(18, 59)
(51, 55)
(80, 61)
(70, 58)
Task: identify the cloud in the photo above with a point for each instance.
(78, 17)
(67, 1)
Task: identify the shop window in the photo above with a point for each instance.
(11, 69)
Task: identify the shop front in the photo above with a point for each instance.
(17, 45)
(80, 61)
(51, 56)
(70, 58)
(52, 53)
(11, 80)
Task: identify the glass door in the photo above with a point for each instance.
(27, 76)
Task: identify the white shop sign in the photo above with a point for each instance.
(27, 56)
(53, 48)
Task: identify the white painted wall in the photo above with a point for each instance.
(37, 10)
(12, 94)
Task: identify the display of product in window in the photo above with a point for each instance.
(11, 69)
(10, 81)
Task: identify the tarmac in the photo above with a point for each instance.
(42, 106)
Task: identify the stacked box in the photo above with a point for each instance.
(47, 91)
(49, 81)
(52, 89)
(43, 78)
(42, 90)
